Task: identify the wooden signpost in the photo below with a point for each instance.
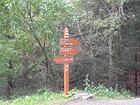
(67, 50)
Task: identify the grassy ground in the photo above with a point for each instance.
(50, 98)
(45, 98)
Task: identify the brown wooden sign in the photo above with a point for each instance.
(69, 42)
(68, 51)
(65, 57)
(63, 60)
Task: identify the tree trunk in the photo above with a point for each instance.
(136, 72)
(9, 84)
(136, 81)
(8, 87)
(110, 71)
(25, 70)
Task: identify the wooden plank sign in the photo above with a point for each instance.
(63, 60)
(68, 51)
(69, 42)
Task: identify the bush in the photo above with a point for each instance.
(102, 91)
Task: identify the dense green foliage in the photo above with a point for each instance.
(27, 24)
(108, 31)
(29, 36)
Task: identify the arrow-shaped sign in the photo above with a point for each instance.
(63, 60)
(68, 51)
(69, 42)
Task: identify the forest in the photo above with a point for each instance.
(108, 63)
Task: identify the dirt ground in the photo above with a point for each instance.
(104, 102)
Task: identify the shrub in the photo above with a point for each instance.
(102, 91)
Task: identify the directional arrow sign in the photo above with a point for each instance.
(69, 42)
(63, 60)
(69, 51)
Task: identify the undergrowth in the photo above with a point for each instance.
(50, 98)
(102, 91)
(43, 98)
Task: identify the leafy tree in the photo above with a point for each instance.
(100, 24)
(28, 25)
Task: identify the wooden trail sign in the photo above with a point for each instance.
(69, 42)
(67, 50)
(63, 60)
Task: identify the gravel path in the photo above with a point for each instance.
(104, 102)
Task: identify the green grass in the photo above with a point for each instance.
(45, 98)
(50, 98)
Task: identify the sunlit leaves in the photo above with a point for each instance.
(23, 20)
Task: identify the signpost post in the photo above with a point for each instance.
(66, 50)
